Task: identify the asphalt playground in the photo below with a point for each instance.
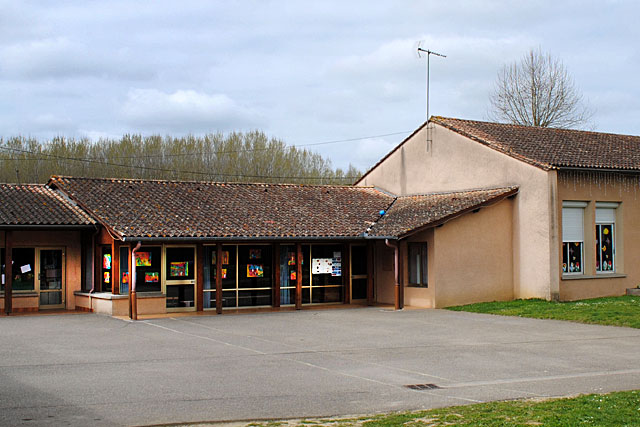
(87, 369)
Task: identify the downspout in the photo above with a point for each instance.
(394, 246)
(133, 301)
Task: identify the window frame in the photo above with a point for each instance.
(569, 205)
(599, 223)
(423, 271)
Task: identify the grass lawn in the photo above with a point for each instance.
(616, 311)
(614, 409)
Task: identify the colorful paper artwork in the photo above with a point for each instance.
(255, 253)
(179, 269)
(224, 273)
(293, 275)
(125, 277)
(225, 257)
(106, 261)
(255, 270)
(143, 259)
(107, 277)
(152, 277)
(291, 258)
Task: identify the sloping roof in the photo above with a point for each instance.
(550, 148)
(36, 204)
(132, 208)
(413, 213)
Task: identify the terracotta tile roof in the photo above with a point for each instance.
(412, 213)
(550, 148)
(36, 204)
(169, 209)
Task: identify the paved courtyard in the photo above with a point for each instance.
(95, 370)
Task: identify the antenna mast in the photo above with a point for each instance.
(426, 52)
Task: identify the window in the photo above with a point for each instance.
(148, 261)
(573, 238)
(418, 264)
(605, 238)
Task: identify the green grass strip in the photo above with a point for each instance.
(615, 311)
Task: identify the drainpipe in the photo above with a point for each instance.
(395, 248)
(133, 301)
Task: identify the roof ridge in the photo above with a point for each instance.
(468, 190)
(281, 184)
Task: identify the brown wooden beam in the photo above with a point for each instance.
(200, 260)
(115, 268)
(219, 278)
(298, 276)
(276, 274)
(346, 272)
(8, 272)
(401, 275)
(370, 272)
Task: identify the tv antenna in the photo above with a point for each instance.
(422, 52)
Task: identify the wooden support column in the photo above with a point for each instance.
(200, 277)
(219, 278)
(401, 275)
(8, 272)
(276, 274)
(115, 268)
(97, 267)
(298, 276)
(370, 272)
(346, 272)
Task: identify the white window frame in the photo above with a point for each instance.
(574, 234)
(606, 215)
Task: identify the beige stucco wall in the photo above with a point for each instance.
(473, 257)
(454, 162)
(602, 187)
(384, 274)
(70, 241)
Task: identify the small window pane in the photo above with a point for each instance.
(180, 263)
(22, 270)
(418, 273)
(149, 269)
(604, 247)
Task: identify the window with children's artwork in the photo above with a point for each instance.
(605, 239)
(148, 261)
(572, 240)
(106, 270)
(180, 263)
(418, 264)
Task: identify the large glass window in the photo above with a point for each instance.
(106, 271)
(180, 264)
(418, 274)
(149, 269)
(254, 275)
(22, 270)
(125, 276)
(288, 274)
(228, 276)
(326, 275)
(605, 239)
(572, 240)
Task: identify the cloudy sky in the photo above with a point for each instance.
(302, 71)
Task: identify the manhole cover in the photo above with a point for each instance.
(422, 386)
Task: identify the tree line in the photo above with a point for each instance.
(232, 157)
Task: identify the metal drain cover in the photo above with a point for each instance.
(422, 386)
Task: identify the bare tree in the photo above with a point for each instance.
(538, 91)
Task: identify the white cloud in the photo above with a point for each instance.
(185, 111)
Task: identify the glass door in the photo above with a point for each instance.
(359, 273)
(51, 278)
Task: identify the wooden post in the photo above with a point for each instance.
(115, 268)
(8, 272)
(276, 274)
(400, 276)
(219, 278)
(346, 272)
(97, 267)
(370, 272)
(200, 260)
(298, 276)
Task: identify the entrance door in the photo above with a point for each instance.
(358, 273)
(51, 278)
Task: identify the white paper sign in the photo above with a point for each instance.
(3, 279)
(321, 266)
(25, 268)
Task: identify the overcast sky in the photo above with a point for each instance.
(302, 71)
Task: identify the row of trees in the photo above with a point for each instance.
(243, 157)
